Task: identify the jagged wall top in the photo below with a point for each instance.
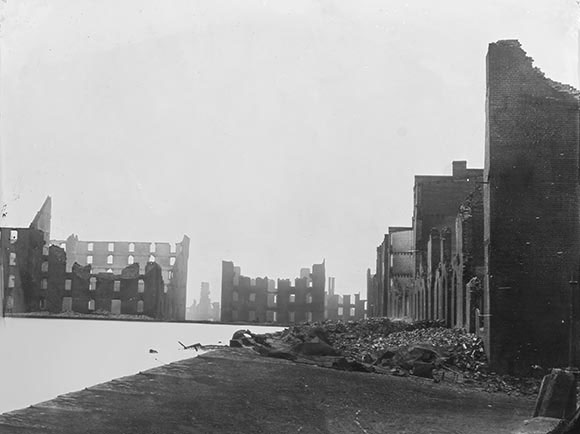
(557, 86)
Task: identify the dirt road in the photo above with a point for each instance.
(235, 391)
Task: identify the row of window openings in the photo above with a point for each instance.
(291, 298)
(92, 284)
(274, 316)
(111, 246)
(130, 259)
(351, 312)
(115, 305)
(44, 267)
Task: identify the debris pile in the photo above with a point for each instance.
(424, 349)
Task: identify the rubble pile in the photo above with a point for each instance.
(380, 345)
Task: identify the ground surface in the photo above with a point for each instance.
(235, 391)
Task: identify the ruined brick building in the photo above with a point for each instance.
(204, 309)
(498, 252)
(88, 277)
(345, 307)
(531, 211)
(114, 263)
(264, 300)
(391, 285)
(414, 264)
(23, 262)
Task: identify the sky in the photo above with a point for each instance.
(275, 134)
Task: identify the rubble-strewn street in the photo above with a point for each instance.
(379, 345)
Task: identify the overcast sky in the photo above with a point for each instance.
(274, 133)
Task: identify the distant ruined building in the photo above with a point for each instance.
(343, 307)
(204, 309)
(497, 251)
(262, 300)
(117, 278)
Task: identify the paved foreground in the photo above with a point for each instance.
(235, 391)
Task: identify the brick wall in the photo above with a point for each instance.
(531, 211)
(252, 300)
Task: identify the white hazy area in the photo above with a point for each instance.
(44, 358)
(274, 133)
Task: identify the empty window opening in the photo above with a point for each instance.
(292, 298)
(309, 298)
(340, 311)
(275, 317)
(44, 284)
(13, 258)
(13, 236)
(45, 250)
(151, 258)
(116, 307)
(91, 305)
(68, 284)
(141, 287)
(90, 247)
(44, 267)
(92, 283)
(111, 247)
(67, 304)
(131, 247)
(172, 260)
(110, 259)
(140, 306)
(63, 246)
(11, 281)
(152, 248)
(89, 259)
(173, 248)
(131, 260)
(110, 270)
(9, 303)
(352, 311)
(117, 286)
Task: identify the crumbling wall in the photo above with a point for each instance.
(251, 300)
(531, 223)
(468, 262)
(436, 202)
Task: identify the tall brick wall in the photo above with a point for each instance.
(531, 224)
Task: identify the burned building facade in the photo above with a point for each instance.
(263, 300)
(420, 270)
(343, 307)
(39, 276)
(204, 309)
(531, 212)
(118, 261)
(436, 204)
(389, 289)
(498, 252)
(23, 264)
